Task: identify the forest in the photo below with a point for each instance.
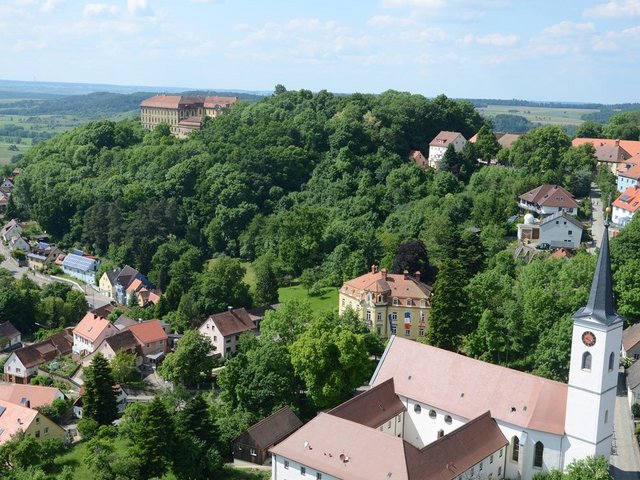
(319, 187)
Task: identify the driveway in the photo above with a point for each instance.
(625, 455)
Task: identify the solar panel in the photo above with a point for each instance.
(2, 409)
(625, 197)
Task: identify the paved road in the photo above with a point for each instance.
(625, 459)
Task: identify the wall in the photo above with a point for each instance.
(43, 428)
(561, 233)
(625, 182)
(279, 472)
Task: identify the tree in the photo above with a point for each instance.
(412, 257)
(590, 129)
(123, 366)
(447, 325)
(153, 442)
(486, 143)
(266, 280)
(99, 400)
(191, 363)
(287, 322)
(331, 360)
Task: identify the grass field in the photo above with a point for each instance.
(544, 115)
(326, 302)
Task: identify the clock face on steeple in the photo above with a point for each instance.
(589, 339)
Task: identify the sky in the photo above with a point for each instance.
(553, 50)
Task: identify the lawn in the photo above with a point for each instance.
(543, 115)
(326, 302)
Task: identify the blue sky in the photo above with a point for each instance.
(561, 50)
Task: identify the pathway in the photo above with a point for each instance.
(597, 226)
(625, 458)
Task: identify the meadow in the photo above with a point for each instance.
(543, 115)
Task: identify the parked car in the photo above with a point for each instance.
(543, 246)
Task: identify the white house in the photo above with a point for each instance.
(529, 424)
(9, 336)
(626, 206)
(90, 333)
(628, 174)
(441, 142)
(547, 200)
(81, 267)
(224, 330)
(561, 230)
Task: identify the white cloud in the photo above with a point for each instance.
(95, 9)
(615, 9)
(493, 39)
(388, 21)
(566, 28)
(139, 7)
(414, 3)
(49, 5)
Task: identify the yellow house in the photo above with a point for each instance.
(391, 304)
(14, 418)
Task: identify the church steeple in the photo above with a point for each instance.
(600, 307)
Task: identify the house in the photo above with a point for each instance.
(42, 254)
(441, 142)
(253, 444)
(109, 346)
(152, 340)
(81, 266)
(115, 283)
(11, 229)
(628, 174)
(7, 183)
(9, 336)
(419, 158)
(626, 206)
(388, 303)
(611, 152)
(141, 293)
(22, 365)
(30, 396)
(122, 322)
(481, 419)
(561, 230)
(561, 253)
(90, 333)
(224, 329)
(633, 383)
(547, 200)
(4, 200)
(19, 243)
(188, 125)
(631, 342)
(14, 418)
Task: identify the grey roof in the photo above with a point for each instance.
(76, 261)
(564, 215)
(600, 306)
(633, 376)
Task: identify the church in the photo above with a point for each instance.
(435, 414)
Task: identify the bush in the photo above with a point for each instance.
(88, 428)
(635, 409)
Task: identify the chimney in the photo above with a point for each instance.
(617, 142)
(406, 274)
(27, 403)
(374, 268)
(229, 308)
(384, 273)
(417, 275)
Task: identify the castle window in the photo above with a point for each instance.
(515, 449)
(538, 454)
(586, 361)
(611, 361)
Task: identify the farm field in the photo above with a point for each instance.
(543, 115)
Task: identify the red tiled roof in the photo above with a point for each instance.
(631, 337)
(401, 286)
(467, 387)
(632, 147)
(222, 102)
(274, 428)
(629, 200)
(444, 138)
(7, 330)
(232, 322)
(91, 326)
(190, 122)
(630, 168)
(550, 196)
(149, 331)
(36, 395)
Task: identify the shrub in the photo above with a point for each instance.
(635, 409)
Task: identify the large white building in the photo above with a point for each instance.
(438, 146)
(424, 398)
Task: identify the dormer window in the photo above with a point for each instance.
(423, 303)
(409, 302)
(395, 301)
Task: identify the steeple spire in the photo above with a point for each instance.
(600, 306)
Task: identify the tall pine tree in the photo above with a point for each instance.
(99, 401)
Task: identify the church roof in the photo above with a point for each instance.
(467, 387)
(600, 306)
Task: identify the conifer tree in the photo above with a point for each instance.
(99, 401)
(154, 441)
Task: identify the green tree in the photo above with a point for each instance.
(486, 143)
(266, 280)
(99, 401)
(286, 323)
(590, 129)
(191, 363)
(331, 360)
(123, 366)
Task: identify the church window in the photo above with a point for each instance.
(286, 464)
(515, 449)
(417, 408)
(480, 466)
(499, 471)
(611, 361)
(538, 454)
(606, 416)
(448, 420)
(586, 361)
(491, 459)
(432, 414)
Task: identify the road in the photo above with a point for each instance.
(597, 216)
(625, 458)
(94, 298)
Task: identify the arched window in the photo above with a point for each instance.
(612, 358)
(515, 449)
(538, 454)
(586, 361)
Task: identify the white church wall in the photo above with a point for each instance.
(393, 426)
(423, 422)
(285, 469)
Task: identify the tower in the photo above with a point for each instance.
(593, 371)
